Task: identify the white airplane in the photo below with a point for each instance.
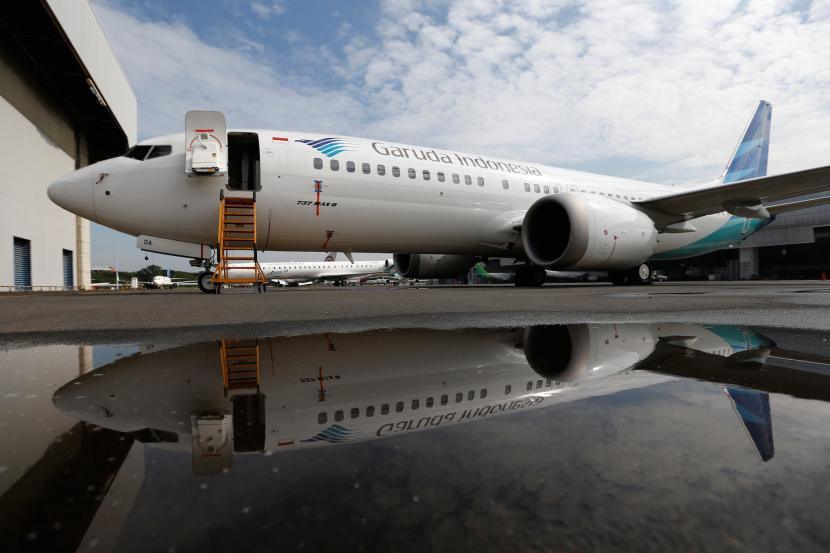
(162, 281)
(298, 273)
(317, 390)
(440, 211)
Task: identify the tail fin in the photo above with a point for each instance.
(753, 409)
(749, 160)
(331, 256)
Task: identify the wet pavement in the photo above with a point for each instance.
(647, 436)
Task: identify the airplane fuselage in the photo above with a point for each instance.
(366, 195)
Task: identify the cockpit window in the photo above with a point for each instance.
(160, 151)
(138, 152)
(149, 151)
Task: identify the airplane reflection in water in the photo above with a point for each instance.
(285, 393)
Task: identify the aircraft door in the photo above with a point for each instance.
(243, 161)
(206, 143)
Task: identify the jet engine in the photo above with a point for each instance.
(577, 352)
(424, 265)
(566, 231)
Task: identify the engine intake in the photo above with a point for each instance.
(566, 231)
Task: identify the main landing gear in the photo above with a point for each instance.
(638, 275)
(530, 275)
(206, 284)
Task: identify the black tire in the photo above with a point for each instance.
(205, 283)
(530, 276)
(638, 275)
(642, 274)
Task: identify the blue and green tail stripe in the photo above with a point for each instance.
(749, 161)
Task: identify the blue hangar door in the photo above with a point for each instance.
(22, 263)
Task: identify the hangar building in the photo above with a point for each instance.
(64, 103)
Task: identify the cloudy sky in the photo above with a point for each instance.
(644, 89)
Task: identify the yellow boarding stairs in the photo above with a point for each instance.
(240, 364)
(237, 243)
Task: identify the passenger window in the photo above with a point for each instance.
(444, 399)
(338, 415)
(318, 163)
(322, 418)
(527, 187)
(160, 151)
(536, 187)
(455, 178)
(381, 170)
(505, 185)
(440, 176)
(384, 409)
(429, 402)
(366, 168)
(482, 394)
(415, 404)
(426, 174)
(529, 386)
(538, 384)
(370, 411)
(471, 395)
(399, 407)
(411, 173)
(468, 179)
(354, 413)
(547, 189)
(480, 181)
(396, 172)
(334, 165)
(350, 166)
(507, 389)
(459, 397)
(626, 197)
(547, 383)
(556, 190)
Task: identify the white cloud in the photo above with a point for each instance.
(564, 83)
(267, 10)
(172, 71)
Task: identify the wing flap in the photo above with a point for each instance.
(747, 194)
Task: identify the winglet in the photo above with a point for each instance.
(749, 160)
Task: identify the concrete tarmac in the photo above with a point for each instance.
(183, 316)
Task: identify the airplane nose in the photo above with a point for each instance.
(73, 192)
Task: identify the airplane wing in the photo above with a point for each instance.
(745, 198)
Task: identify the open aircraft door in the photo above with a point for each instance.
(206, 143)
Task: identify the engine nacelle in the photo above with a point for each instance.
(423, 265)
(578, 352)
(566, 231)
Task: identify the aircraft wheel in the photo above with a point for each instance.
(643, 274)
(639, 275)
(205, 282)
(529, 276)
(618, 278)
